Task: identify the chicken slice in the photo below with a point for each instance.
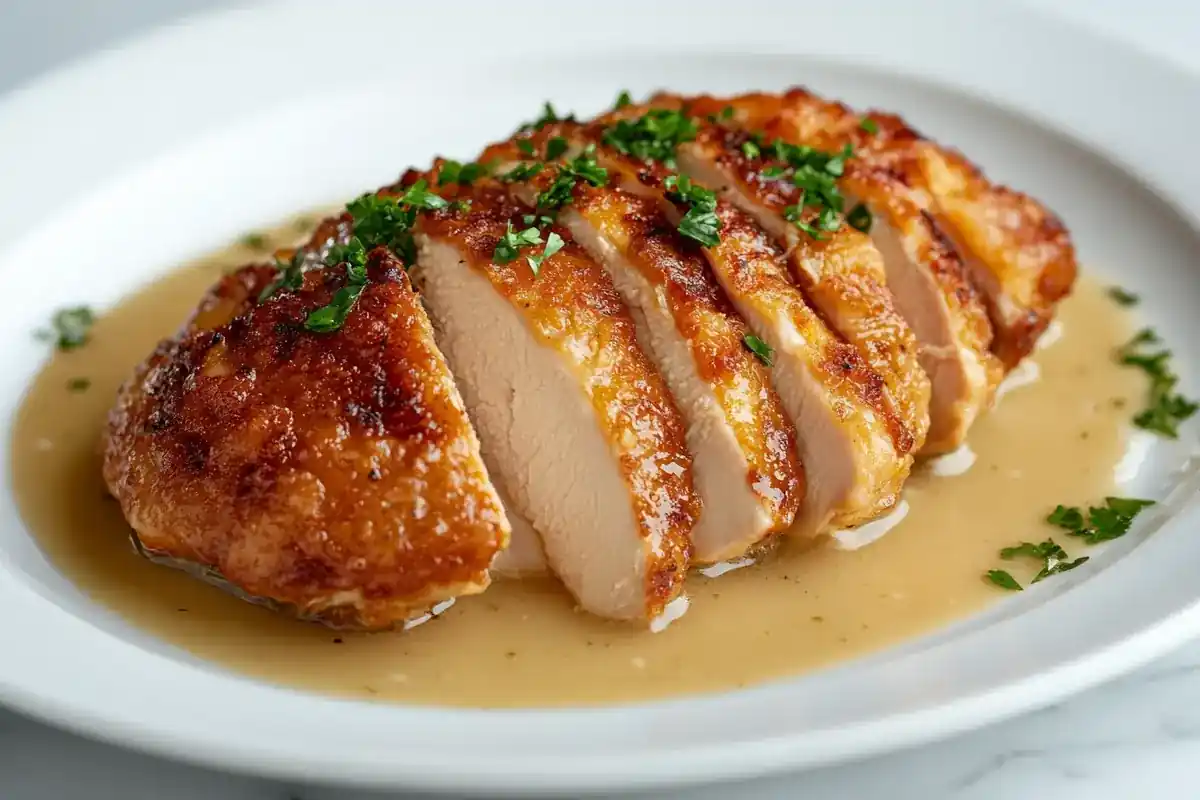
(1017, 251)
(333, 475)
(854, 447)
(743, 445)
(924, 271)
(581, 430)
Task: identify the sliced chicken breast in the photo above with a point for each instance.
(1017, 250)
(334, 475)
(924, 272)
(857, 447)
(743, 445)
(581, 430)
(841, 273)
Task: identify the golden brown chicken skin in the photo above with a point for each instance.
(333, 475)
(1017, 250)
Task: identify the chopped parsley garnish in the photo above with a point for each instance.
(254, 240)
(623, 99)
(79, 384)
(726, 113)
(521, 172)
(69, 328)
(331, 317)
(751, 149)
(288, 277)
(379, 221)
(511, 243)
(1099, 524)
(465, 174)
(555, 148)
(540, 220)
(763, 351)
(1003, 580)
(554, 243)
(525, 146)
(869, 126)
(549, 116)
(1165, 409)
(654, 136)
(1103, 523)
(816, 173)
(583, 167)
(700, 222)
(1122, 297)
(860, 218)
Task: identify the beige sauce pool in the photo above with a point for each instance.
(1054, 441)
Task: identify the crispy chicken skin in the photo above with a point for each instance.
(331, 475)
(854, 446)
(924, 270)
(842, 274)
(1017, 250)
(743, 444)
(576, 320)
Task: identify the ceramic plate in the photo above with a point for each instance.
(118, 167)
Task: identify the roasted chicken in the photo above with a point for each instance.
(660, 338)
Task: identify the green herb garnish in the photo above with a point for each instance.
(554, 243)
(331, 317)
(288, 277)
(511, 243)
(700, 222)
(465, 174)
(1054, 559)
(1165, 409)
(555, 148)
(763, 351)
(525, 146)
(860, 218)
(521, 172)
(69, 328)
(549, 116)
(583, 167)
(654, 136)
(750, 149)
(79, 384)
(254, 240)
(816, 173)
(623, 99)
(1103, 523)
(1122, 297)
(1003, 580)
(869, 125)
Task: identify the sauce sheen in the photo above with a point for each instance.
(1055, 440)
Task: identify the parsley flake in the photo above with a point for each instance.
(869, 125)
(254, 241)
(860, 218)
(288, 277)
(1165, 409)
(79, 384)
(1054, 559)
(511, 243)
(700, 222)
(70, 328)
(521, 172)
(554, 243)
(549, 117)
(762, 351)
(1003, 580)
(654, 136)
(623, 99)
(555, 148)
(1122, 297)
(464, 174)
(583, 167)
(1103, 523)
(331, 317)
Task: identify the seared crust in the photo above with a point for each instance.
(844, 278)
(1018, 251)
(704, 318)
(335, 475)
(572, 307)
(963, 370)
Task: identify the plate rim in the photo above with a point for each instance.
(686, 766)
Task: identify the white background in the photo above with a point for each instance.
(1139, 737)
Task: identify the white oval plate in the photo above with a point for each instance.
(118, 167)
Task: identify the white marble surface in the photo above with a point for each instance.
(1136, 738)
